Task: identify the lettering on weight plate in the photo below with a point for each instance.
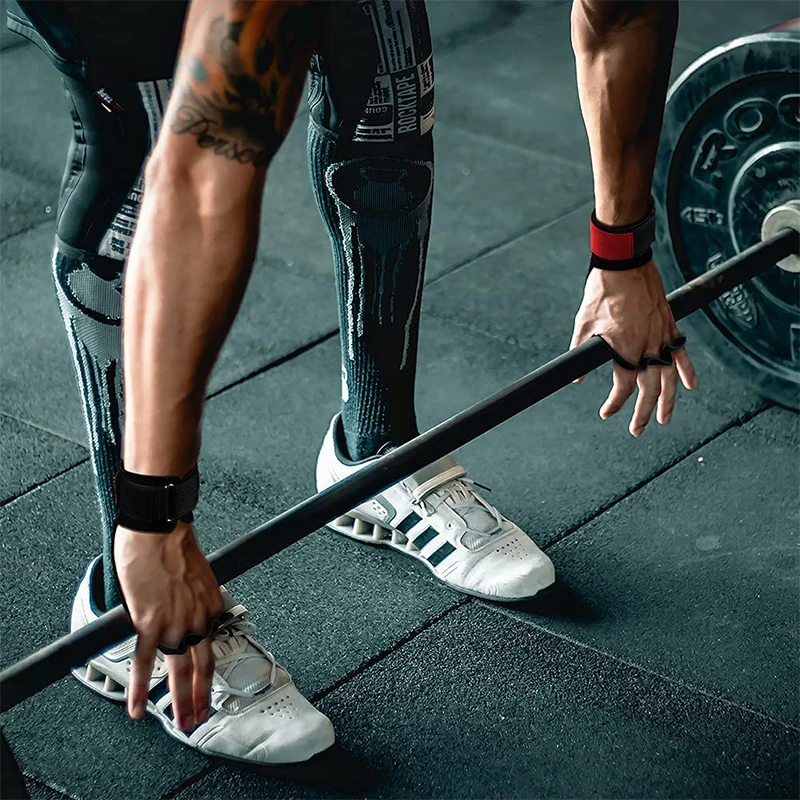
(703, 216)
(740, 307)
(713, 150)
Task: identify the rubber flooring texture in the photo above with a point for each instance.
(663, 664)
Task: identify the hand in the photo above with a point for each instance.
(630, 310)
(170, 590)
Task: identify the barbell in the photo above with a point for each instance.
(714, 195)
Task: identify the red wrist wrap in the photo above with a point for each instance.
(624, 247)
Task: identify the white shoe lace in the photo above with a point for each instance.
(231, 649)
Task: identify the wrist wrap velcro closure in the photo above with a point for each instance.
(624, 247)
(155, 503)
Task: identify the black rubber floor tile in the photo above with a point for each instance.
(518, 85)
(478, 706)
(325, 607)
(70, 738)
(281, 312)
(38, 791)
(695, 575)
(488, 192)
(23, 203)
(35, 125)
(31, 456)
(37, 374)
(707, 23)
(66, 736)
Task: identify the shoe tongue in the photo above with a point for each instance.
(250, 674)
(478, 519)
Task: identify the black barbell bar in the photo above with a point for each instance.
(32, 674)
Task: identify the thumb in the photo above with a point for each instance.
(579, 336)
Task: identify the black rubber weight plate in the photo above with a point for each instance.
(730, 151)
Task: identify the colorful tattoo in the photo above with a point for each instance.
(241, 74)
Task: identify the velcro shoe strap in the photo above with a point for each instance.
(430, 478)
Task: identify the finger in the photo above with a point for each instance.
(141, 670)
(181, 672)
(649, 382)
(623, 388)
(669, 388)
(203, 662)
(686, 369)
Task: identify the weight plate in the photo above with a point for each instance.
(730, 153)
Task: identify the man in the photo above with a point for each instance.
(237, 86)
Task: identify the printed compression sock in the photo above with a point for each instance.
(89, 294)
(377, 210)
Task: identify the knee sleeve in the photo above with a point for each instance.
(90, 300)
(383, 213)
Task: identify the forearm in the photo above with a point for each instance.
(237, 86)
(623, 54)
(185, 278)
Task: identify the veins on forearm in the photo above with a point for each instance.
(241, 76)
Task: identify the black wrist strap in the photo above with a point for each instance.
(155, 503)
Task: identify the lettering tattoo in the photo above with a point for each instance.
(241, 74)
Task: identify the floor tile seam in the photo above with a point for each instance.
(20, 41)
(473, 329)
(35, 226)
(20, 232)
(47, 785)
(517, 147)
(44, 429)
(303, 349)
(8, 501)
(513, 239)
(370, 662)
(673, 681)
(736, 423)
(191, 781)
(276, 362)
(502, 17)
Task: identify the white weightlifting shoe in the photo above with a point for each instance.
(437, 517)
(257, 715)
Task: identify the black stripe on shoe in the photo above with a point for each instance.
(437, 556)
(408, 523)
(157, 693)
(428, 535)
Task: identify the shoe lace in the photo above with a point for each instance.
(233, 646)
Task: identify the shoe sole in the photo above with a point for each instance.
(91, 676)
(373, 533)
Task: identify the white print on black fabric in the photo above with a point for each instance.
(401, 100)
(116, 242)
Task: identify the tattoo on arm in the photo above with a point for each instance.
(241, 73)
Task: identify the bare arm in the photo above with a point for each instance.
(238, 83)
(623, 54)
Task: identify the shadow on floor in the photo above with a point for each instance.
(334, 771)
(559, 602)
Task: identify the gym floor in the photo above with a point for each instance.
(665, 663)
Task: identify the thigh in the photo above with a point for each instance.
(372, 78)
(112, 129)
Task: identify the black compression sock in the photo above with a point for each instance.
(89, 296)
(377, 210)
